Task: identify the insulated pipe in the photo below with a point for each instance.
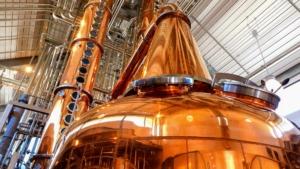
(115, 14)
(12, 125)
(72, 9)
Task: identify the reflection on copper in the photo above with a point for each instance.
(229, 160)
(201, 86)
(56, 123)
(97, 54)
(147, 29)
(189, 118)
(172, 50)
(246, 99)
(166, 127)
(164, 91)
(147, 13)
(78, 47)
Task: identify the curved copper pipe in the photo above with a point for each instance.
(133, 64)
(87, 40)
(137, 58)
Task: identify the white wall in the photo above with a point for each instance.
(290, 100)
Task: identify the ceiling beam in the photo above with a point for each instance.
(275, 60)
(290, 73)
(294, 5)
(18, 61)
(225, 50)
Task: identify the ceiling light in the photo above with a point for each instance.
(28, 69)
(271, 83)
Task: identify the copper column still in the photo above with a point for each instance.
(73, 96)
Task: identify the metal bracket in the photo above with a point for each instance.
(69, 86)
(227, 76)
(87, 40)
(32, 108)
(244, 87)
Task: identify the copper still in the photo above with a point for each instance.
(174, 117)
(73, 95)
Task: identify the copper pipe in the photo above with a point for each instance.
(147, 16)
(133, 64)
(11, 128)
(66, 108)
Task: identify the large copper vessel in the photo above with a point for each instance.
(175, 118)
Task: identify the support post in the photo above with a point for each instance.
(13, 122)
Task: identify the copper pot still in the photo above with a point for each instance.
(174, 117)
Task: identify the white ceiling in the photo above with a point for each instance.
(223, 29)
(246, 37)
(21, 25)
